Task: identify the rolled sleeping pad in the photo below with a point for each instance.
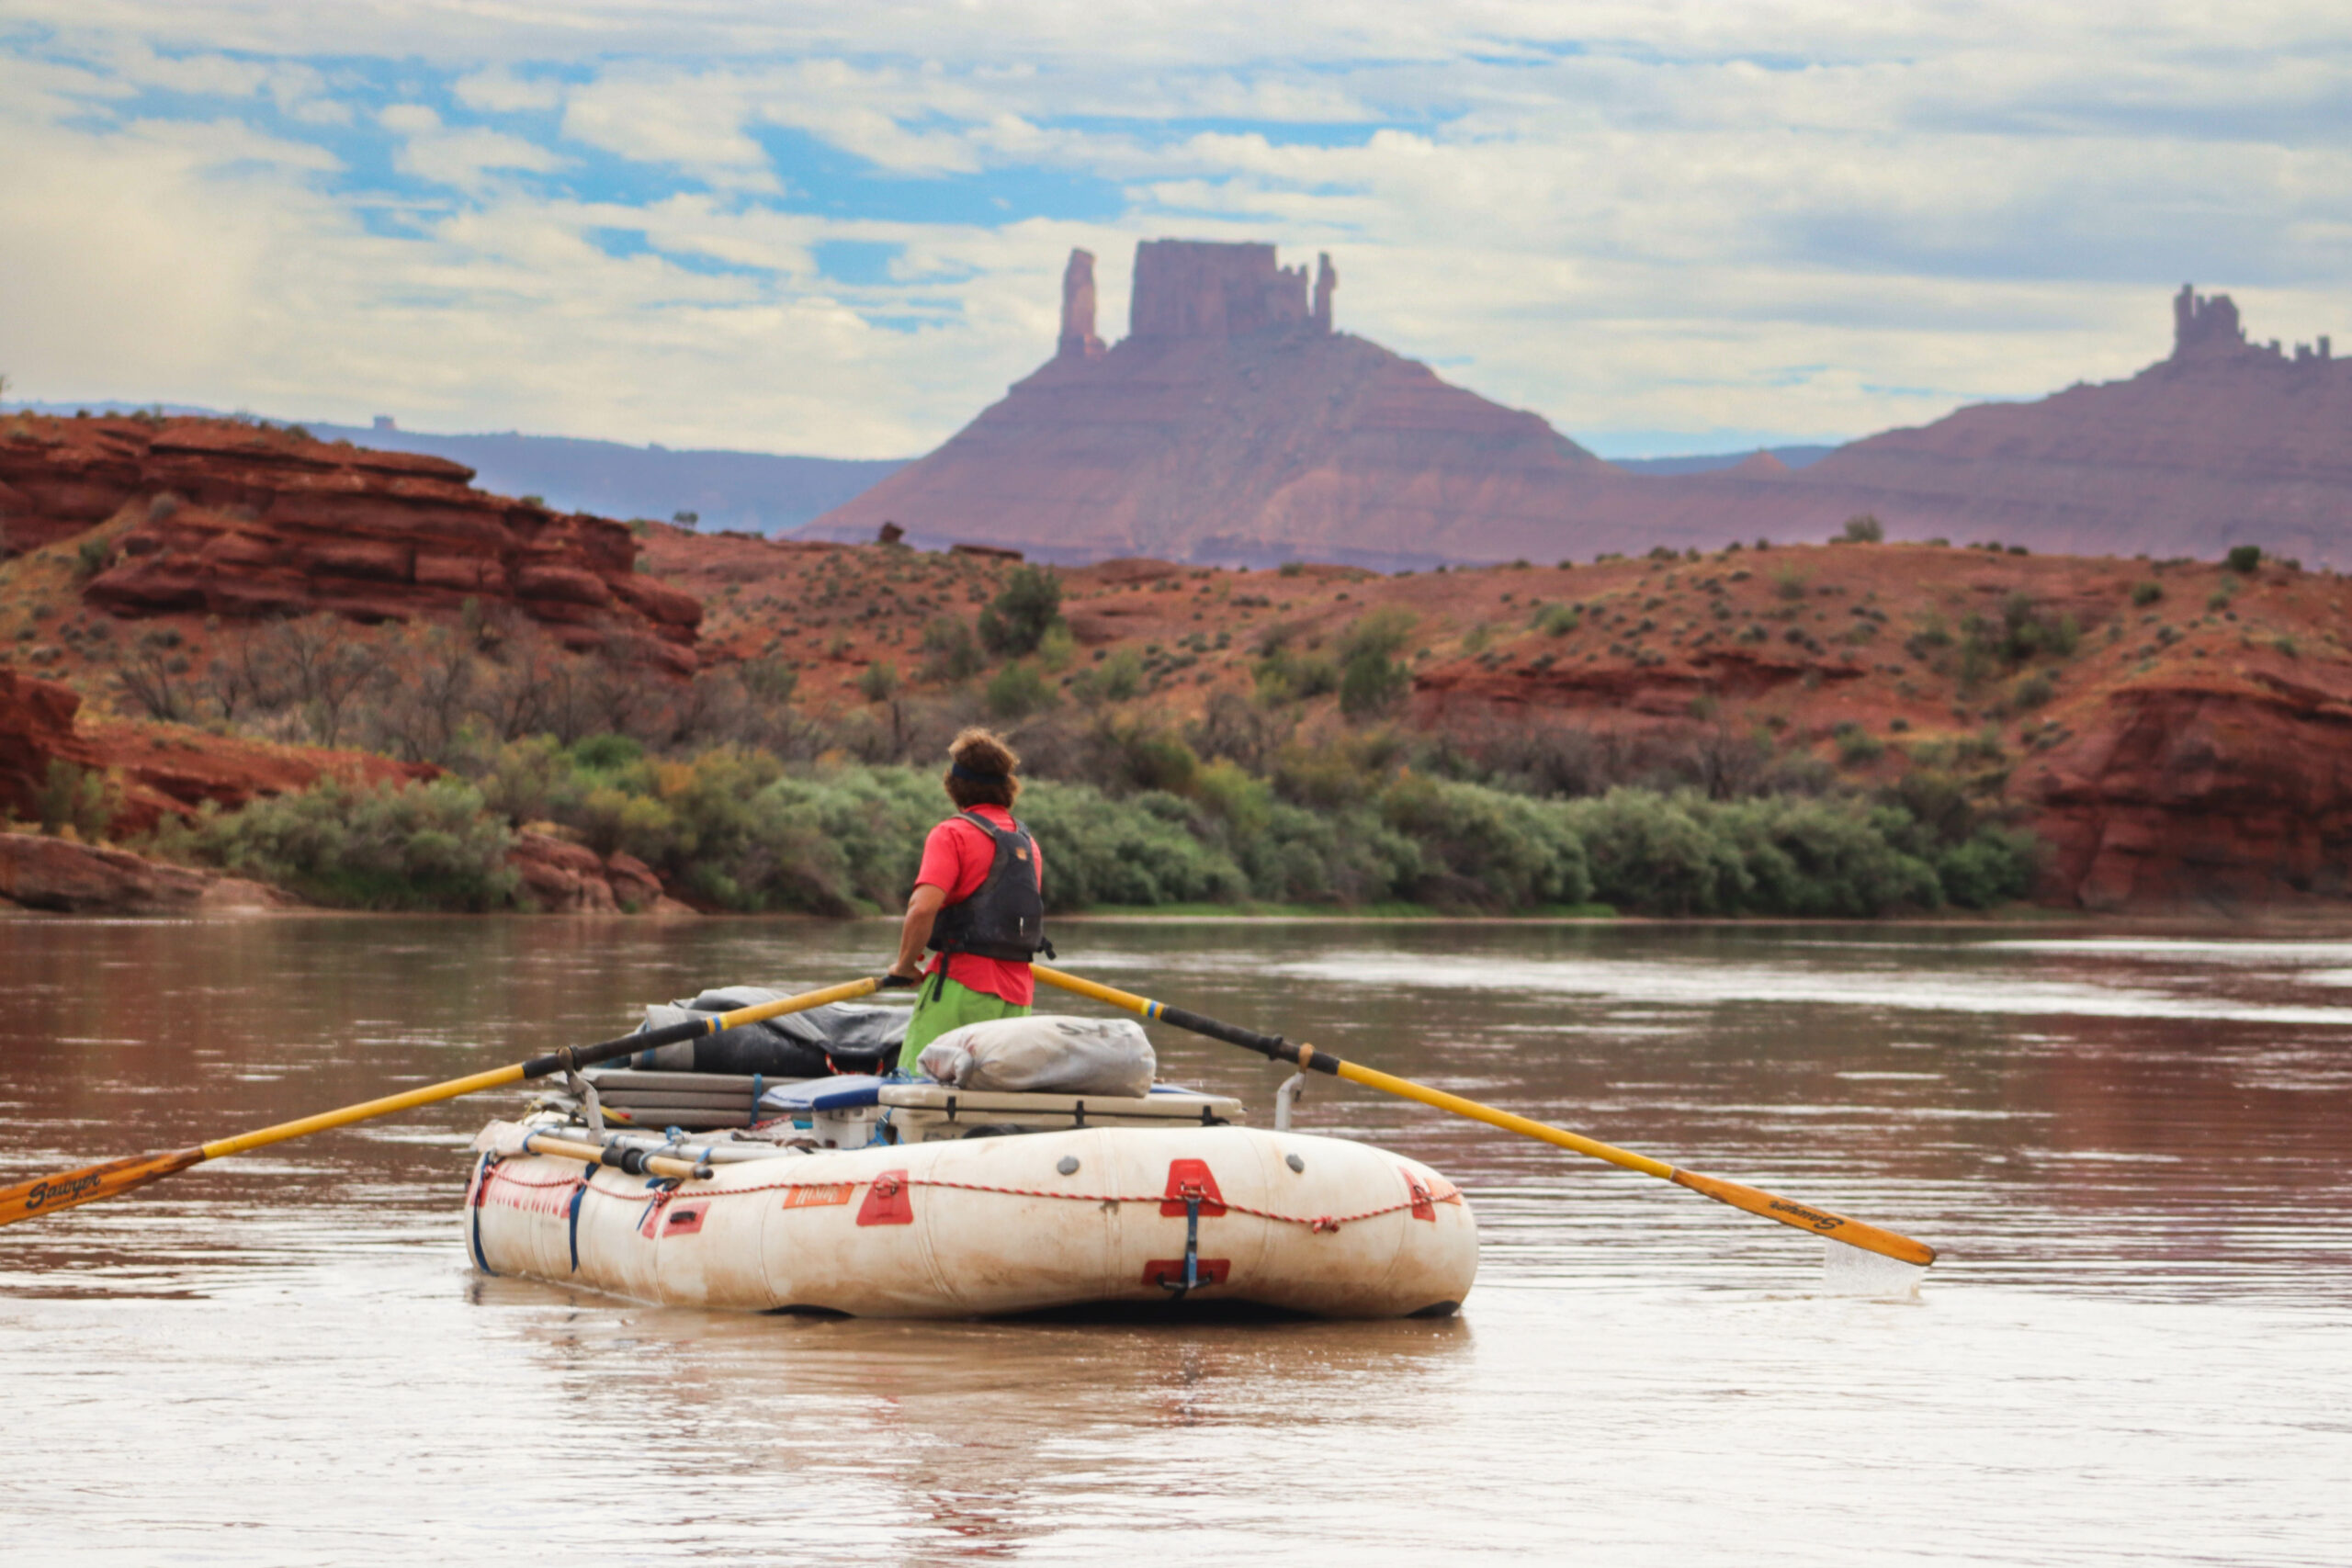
(676, 1100)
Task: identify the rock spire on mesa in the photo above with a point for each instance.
(2205, 326)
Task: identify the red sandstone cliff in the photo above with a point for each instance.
(237, 520)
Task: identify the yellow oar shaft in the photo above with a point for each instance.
(1405, 1088)
(326, 1121)
(46, 1195)
(1750, 1200)
(366, 1111)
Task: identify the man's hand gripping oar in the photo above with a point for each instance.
(47, 1194)
(1804, 1216)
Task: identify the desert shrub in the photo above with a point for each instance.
(1371, 679)
(1483, 847)
(76, 801)
(2032, 692)
(1017, 690)
(950, 651)
(1858, 747)
(1142, 851)
(1057, 649)
(1865, 529)
(1284, 675)
(2145, 593)
(1823, 858)
(2245, 558)
(1227, 791)
(2023, 631)
(1652, 852)
(1993, 865)
(531, 780)
(427, 846)
(878, 681)
(1558, 620)
(773, 681)
(1015, 622)
(1117, 678)
(90, 557)
(1142, 757)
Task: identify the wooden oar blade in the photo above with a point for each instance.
(1806, 1217)
(47, 1194)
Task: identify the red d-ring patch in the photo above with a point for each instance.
(1193, 1175)
(887, 1202)
(1424, 1204)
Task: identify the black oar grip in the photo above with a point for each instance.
(573, 1058)
(1273, 1047)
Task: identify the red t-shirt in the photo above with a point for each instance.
(955, 860)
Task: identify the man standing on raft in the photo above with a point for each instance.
(979, 902)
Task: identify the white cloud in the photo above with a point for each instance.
(1629, 216)
(463, 157)
(500, 91)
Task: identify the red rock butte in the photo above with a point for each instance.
(1234, 424)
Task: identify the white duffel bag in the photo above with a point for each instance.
(1045, 1054)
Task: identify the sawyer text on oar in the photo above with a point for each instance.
(40, 1194)
(1814, 1217)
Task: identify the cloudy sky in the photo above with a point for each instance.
(839, 228)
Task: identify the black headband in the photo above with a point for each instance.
(974, 775)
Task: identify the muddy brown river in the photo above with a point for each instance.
(2131, 1149)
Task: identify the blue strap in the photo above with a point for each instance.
(481, 1180)
(577, 1194)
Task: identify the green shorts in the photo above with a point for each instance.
(943, 1004)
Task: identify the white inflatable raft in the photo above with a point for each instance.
(984, 1205)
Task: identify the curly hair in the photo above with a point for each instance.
(981, 752)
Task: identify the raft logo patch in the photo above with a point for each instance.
(818, 1196)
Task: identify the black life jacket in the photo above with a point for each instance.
(1005, 915)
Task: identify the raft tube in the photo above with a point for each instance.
(988, 1226)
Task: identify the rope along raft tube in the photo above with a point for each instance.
(963, 1227)
(663, 1189)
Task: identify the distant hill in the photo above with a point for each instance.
(1233, 425)
(2224, 442)
(757, 492)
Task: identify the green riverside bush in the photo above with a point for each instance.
(428, 846)
(734, 827)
